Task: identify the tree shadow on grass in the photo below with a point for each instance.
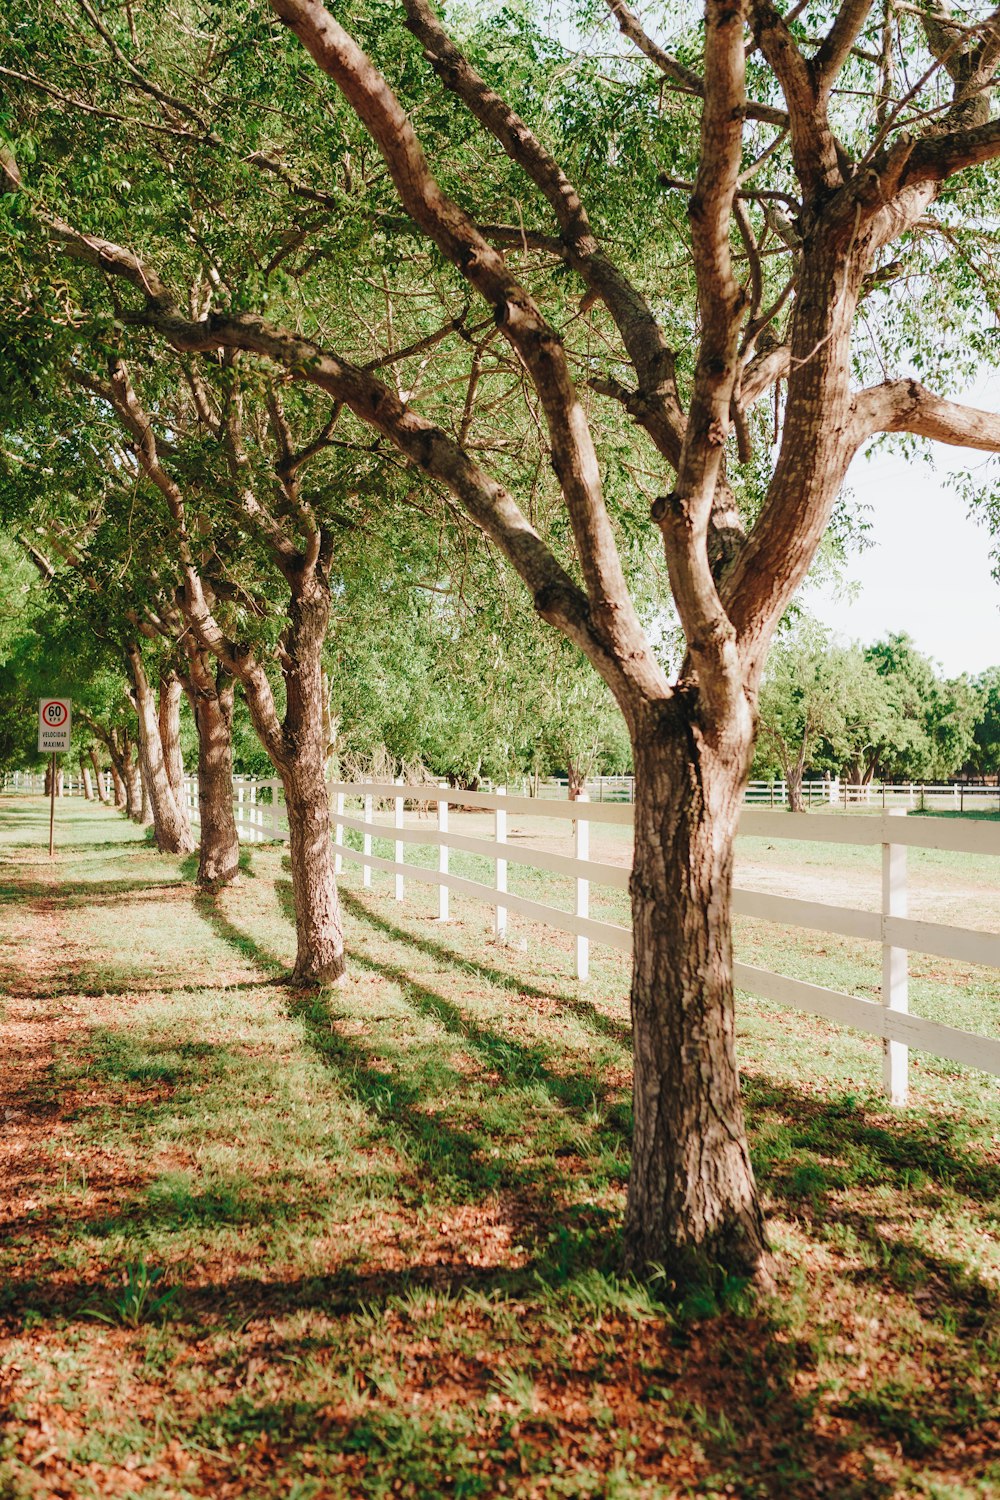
(458, 1162)
(76, 893)
(515, 1062)
(830, 1164)
(728, 1385)
(617, 1031)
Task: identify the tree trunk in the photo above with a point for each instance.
(119, 782)
(88, 790)
(576, 781)
(211, 694)
(133, 784)
(692, 1201)
(319, 930)
(102, 795)
(170, 830)
(297, 748)
(794, 775)
(169, 718)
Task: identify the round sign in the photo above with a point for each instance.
(54, 714)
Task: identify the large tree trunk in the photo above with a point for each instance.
(211, 693)
(88, 790)
(692, 1200)
(319, 930)
(102, 795)
(169, 718)
(170, 830)
(298, 749)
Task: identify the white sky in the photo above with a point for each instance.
(929, 569)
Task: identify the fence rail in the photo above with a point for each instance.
(888, 1019)
(260, 816)
(917, 796)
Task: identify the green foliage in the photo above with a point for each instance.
(142, 1298)
(880, 711)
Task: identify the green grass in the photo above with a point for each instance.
(364, 1242)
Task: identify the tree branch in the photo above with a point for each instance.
(632, 315)
(459, 239)
(630, 26)
(908, 406)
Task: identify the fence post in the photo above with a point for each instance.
(239, 811)
(398, 820)
(582, 894)
(253, 812)
(500, 836)
(366, 876)
(443, 856)
(338, 833)
(895, 978)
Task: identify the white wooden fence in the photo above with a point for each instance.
(898, 935)
(261, 816)
(963, 796)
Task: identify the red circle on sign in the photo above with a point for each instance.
(54, 714)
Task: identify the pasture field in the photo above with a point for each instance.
(363, 1242)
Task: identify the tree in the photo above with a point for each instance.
(816, 697)
(984, 757)
(799, 211)
(928, 731)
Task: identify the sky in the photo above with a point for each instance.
(928, 570)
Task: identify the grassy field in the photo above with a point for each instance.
(363, 1243)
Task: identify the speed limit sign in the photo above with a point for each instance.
(55, 723)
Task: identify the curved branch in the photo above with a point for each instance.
(908, 406)
(630, 26)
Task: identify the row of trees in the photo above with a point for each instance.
(302, 317)
(880, 711)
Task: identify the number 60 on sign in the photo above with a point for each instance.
(55, 723)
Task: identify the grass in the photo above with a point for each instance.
(364, 1242)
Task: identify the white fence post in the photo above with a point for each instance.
(442, 857)
(253, 812)
(398, 820)
(582, 893)
(500, 836)
(366, 877)
(895, 978)
(239, 810)
(338, 833)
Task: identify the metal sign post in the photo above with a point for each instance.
(55, 726)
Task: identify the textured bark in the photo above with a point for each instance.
(319, 932)
(692, 1201)
(145, 817)
(123, 758)
(102, 795)
(88, 790)
(169, 719)
(211, 692)
(119, 788)
(172, 834)
(319, 954)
